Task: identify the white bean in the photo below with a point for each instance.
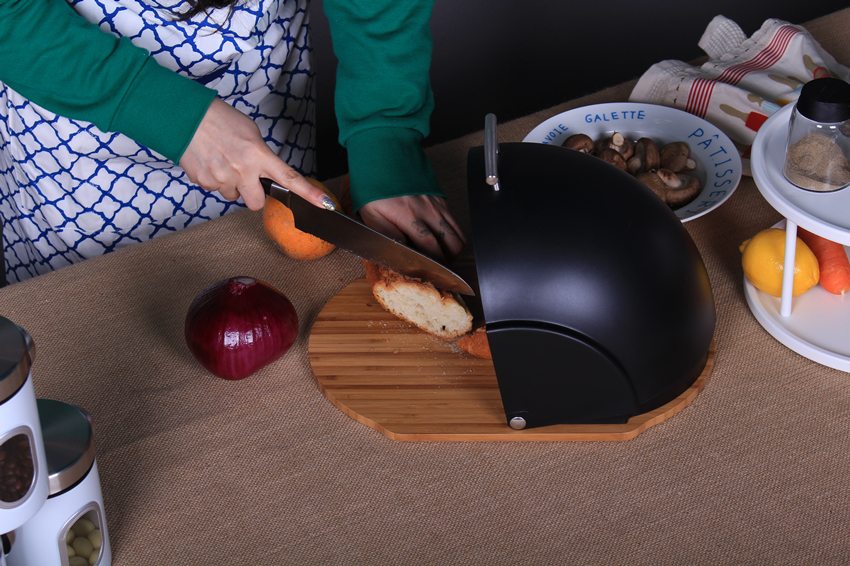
(82, 546)
(95, 538)
(83, 527)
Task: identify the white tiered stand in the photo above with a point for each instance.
(815, 324)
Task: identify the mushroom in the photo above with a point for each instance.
(682, 188)
(579, 142)
(617, 142)
(654, 182)
(613, 157)
(645, 158)
(676, 156)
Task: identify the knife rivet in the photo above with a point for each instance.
(517, 423)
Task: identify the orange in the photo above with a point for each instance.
(764, 262)
(279, 225)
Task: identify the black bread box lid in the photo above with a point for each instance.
(597, 303)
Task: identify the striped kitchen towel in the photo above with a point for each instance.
(745, 79)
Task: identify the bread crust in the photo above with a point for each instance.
(476, 344)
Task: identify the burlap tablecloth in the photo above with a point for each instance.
(199, 471)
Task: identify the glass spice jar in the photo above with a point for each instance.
(70, 529)
(817, 156)
(23, 467)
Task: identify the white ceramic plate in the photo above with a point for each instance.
(719, 166)
(817, 327)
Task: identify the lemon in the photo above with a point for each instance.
(764, 260)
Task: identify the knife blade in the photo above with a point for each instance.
(347, 233)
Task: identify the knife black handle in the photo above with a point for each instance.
(275, 191)
(267, 185)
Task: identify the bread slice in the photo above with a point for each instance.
(433, 310)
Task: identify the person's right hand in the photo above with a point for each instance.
(423, 221)
(227, 154)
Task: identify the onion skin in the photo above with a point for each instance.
(239, 325)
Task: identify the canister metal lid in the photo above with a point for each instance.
(825, 100)
(16, 353)
(68, 443)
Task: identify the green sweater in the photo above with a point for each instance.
(55, 58)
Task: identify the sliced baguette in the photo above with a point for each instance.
(433, 310)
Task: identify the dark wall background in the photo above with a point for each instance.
(513, 58)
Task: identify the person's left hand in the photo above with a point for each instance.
(423, 221)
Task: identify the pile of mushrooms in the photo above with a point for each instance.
(664, 170)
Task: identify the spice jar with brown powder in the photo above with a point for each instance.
(819, 137)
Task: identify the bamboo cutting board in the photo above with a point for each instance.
(411, 386)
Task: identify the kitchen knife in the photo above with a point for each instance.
(347, 233)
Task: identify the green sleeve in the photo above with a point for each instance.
(55, 58)
(383, 96)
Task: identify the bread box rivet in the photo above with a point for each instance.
(517, 423)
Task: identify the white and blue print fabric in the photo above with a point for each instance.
(69, 191)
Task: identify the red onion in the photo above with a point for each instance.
(239, 325)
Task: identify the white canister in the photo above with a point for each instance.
(6, 545)
(23, 467)
(70, 529)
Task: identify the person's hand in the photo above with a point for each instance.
(227, 154)
(424, 221)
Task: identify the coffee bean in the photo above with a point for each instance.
(17, 468)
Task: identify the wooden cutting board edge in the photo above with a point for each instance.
(352, 324)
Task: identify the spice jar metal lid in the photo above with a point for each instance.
(68, 443)
(16, 353)
(825, 100)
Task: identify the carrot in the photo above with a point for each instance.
(832, 260)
